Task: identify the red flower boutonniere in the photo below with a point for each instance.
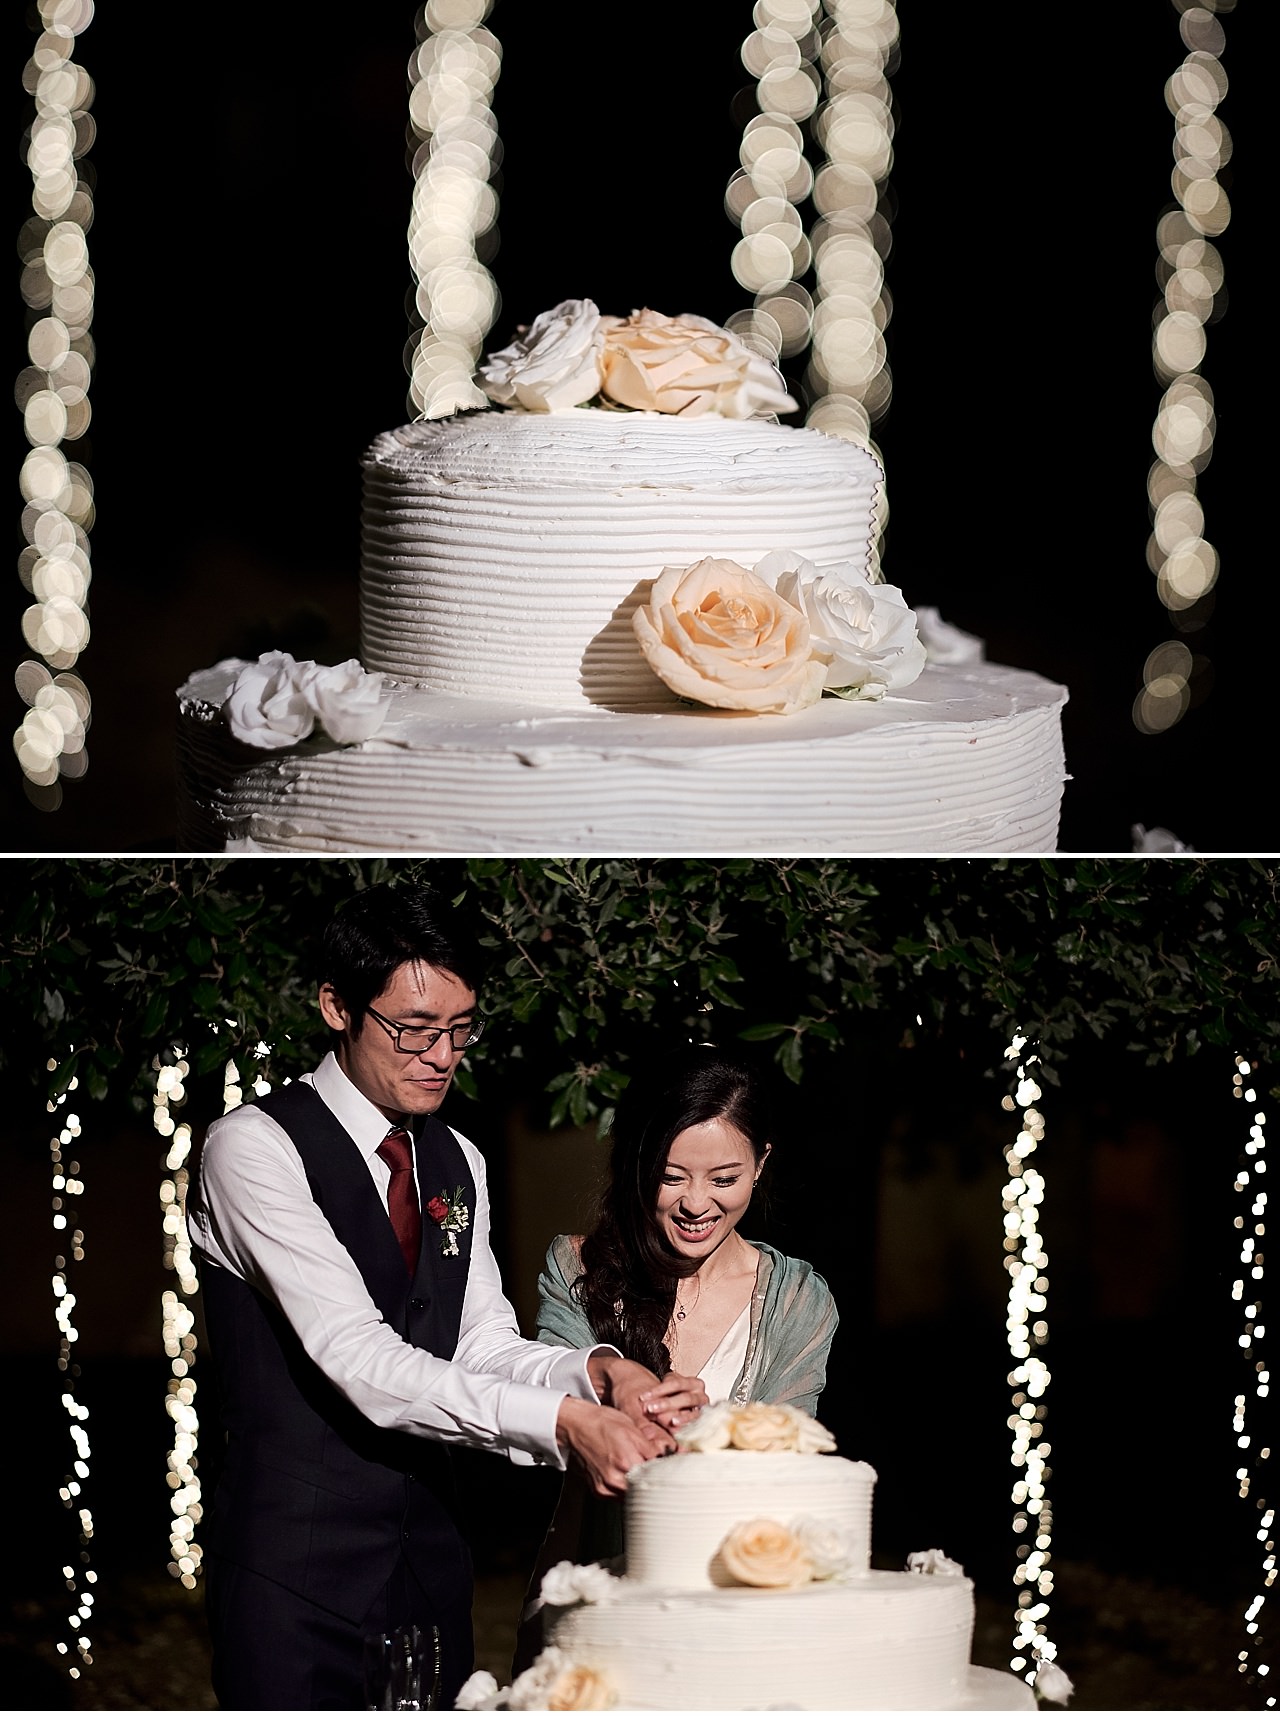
(451, 1216)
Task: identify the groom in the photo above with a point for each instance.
(357, 1326)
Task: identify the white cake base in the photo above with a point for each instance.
(967, 760)
(884, 1641)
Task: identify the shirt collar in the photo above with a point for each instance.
(367, 1124)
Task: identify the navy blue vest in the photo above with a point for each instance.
(311, 1493)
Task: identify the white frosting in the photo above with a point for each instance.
(669, 1639)
(504, 553)
(884, 1641)
(967, 760)
(680, 1511)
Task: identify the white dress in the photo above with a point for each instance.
(724, 1365)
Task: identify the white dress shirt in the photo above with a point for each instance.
(257, 1218)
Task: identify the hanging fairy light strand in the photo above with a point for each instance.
(452, 75)
(171, 1071)
(1027, 1263)
(822, 91)
(67, 1187)
(1190, 271)
(1253, 1448)
(52, 392)
(177, 1318)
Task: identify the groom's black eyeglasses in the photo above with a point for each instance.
(412, 1039)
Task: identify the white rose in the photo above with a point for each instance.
(530, 1690)
(864, 633)
(480, 1692)
(709, 1431)
(932, 1561)
(687, 365)
(349, 703)
(1156, 840)
(1051, 1682)
(946, 643)
(553, 365)
(267, 705)
(717, 634)
(568, 1582)
(829, 1549)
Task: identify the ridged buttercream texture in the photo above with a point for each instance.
(504, 553)
(676, 1638)
(970, 761)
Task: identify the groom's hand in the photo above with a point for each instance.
(607, 1444)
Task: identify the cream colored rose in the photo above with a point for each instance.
(717, 634)
(812, 1437)
(687, 365)
(580, 1689)
(865, 633)
(349, 703)
(553, 365)
(762, 1552)
(764, 1429)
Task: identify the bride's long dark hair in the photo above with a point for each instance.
(629, 1274)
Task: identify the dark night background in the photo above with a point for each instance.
(251, 197)
(888, 1175)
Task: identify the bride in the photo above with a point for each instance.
(667, 1277)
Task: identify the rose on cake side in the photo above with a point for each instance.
(276, 702)
(716, 633)
(553, 1682)
(711, 634)
(932, 1561)
(864, 633)
(673, 365)
(766, 1554)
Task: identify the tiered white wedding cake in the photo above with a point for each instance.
(748, 1585)
(617, 607)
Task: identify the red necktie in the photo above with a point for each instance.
(396, 1151)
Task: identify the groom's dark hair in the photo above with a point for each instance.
(387, 926)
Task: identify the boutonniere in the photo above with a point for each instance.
(452, 1216)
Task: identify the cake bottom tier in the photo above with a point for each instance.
(883, 1641)
(969, 759)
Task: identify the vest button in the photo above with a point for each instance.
(417, 1304)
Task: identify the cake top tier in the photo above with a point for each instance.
(615, 452)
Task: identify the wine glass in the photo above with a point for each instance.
(402, 1669)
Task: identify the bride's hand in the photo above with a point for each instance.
(675, 1400)
(634, 1389)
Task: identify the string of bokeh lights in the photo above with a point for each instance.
(1028, 1331)
(178, 1319)
(829, 74)
(1190, 271)
(1246, 1290)
(52, 392)
(452, 224)
(68, 1186)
